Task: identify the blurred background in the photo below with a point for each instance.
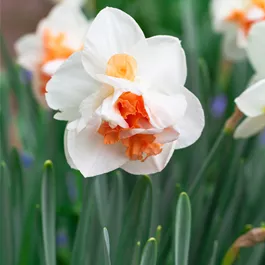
(52, 215)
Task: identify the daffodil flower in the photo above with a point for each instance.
(57, 36)
(252, 103)
(124, 99)
(234, 18)
(256, 50)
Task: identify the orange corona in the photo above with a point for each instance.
(131, 107)
(54, 47)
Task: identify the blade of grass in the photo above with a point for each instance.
(48, 208)
(149, 255)
(182, 230)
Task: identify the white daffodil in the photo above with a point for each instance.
(57, 36)
(234, 18)
(124, 99)
(252, 103)
(256, 50)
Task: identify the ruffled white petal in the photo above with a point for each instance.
(70, 85)
(250, 127)
(163, 110)
(161, 61)
(90, 155)
(112, 32)
(29, 51)
(109, 113)
(190, 126)
(152, 164)
(252, 101)
(256, 47)
(51, 67)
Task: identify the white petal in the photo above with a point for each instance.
(51, 67)
(255, 48)
(167, 135)
(112, 32)
(67, 19)
(163, 110)
(250, 127)
(29, 51)
(70, 85)
(109, 113)
(152, 164)
(69, 114)
(122, 84)
(252, 101)
(190, 126)
(161, 61)
(90, 155)
(66, 152)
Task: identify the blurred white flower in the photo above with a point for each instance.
(124, 99)
(234, 18)
(57, 36)
(256, 50)
(252, 103)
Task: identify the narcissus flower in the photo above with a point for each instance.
(252, 103)
(256, 50)
(57, 36)
(124, 99)
(234, 18)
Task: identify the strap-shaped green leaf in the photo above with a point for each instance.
(48, 209)
(149, 255)
(182, 230)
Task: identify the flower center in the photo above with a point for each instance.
(54, 47)
(139, 146)
(122, 66)
(252, 13)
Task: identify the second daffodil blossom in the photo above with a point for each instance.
(256, 50)
(124, 99)
(252, 103)
(57, 36)
(234, 18)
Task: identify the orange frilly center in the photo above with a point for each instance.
(240, 16)
(54, 47)
(131, 108)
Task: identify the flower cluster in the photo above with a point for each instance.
(124, 98)
(57, 36)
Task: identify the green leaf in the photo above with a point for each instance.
(149, 255)
(214, 255)
(48, 208)
(136, 221)
(17, 197)
(6, 224)
(82, 249)
(182, 230)
(136, 254)
(106, 246)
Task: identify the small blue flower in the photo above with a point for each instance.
(61, 238)
(25, 76)
(26, 159)
(218, 105)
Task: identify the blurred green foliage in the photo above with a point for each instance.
(51, 215)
